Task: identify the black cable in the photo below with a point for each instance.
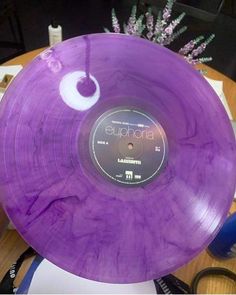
(211, 271)
(7, 283)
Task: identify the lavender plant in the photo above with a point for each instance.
(163, 31)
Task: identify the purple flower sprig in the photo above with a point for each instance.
(115, 22)
(169, 5)
(169, 30)
(162, 31)
(204, 59)
(190, 45)
(202, 47)
(135, 25)
(139, 26)
(174, 36)
(198, 60)
(158, 27)
(191, 56)
(130, 28)
(149, 24)
(167, 10)
(166, 33)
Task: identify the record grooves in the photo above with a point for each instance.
(108, 196)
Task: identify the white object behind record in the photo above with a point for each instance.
(9, 70)
(50, 279)
(218, 88)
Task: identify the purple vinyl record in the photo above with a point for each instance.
(117, 159)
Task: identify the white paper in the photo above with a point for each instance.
(9, 70)
(50, 279)
(218, 88)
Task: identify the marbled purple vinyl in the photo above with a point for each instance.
(74, 216)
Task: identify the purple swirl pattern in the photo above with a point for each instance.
(70, 213)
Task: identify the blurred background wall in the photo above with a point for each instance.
(79, 17)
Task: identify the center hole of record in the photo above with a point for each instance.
(86, 87)
(130, 146)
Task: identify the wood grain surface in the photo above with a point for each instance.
(12, 245)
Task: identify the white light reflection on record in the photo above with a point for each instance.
(70, 94)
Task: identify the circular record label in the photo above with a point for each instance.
(128, 146)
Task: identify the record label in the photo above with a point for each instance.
(128, 146)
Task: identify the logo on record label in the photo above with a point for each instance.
(129, 175)
(128, 146)
(129, 132)
(128, 161)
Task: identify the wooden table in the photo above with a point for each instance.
(12, 245)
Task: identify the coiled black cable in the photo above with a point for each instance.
(211, 271)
